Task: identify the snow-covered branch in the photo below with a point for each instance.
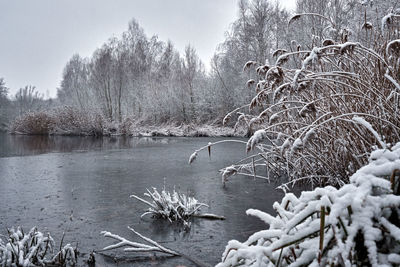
(130, 246)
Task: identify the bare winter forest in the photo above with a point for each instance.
(316, 91)
(140, 79)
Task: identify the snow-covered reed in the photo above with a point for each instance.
(173, 206)
(317, 120)
(33, 249)
(358, 224)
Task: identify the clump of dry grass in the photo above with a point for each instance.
(318, 121)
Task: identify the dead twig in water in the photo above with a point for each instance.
(131, 246)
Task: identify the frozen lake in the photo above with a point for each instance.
(81, 185)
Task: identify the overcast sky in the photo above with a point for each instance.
(38, 37)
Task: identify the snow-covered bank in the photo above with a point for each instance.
(189, 130)
(70, 121)
(357, 224)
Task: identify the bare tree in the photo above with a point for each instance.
(28, 99)
(74, 88)
(4, 103)
(191, 65)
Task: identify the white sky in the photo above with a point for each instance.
(38, 37)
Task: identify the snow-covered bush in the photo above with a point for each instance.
(318, 113)
(71, 121)
(33, 123)
(173, 206)
(64, 121)
(358, 224)
(32, 249)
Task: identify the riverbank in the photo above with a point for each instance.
(162, 130)
(183, 130)
(71, 122)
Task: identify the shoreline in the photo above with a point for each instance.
(163, 130)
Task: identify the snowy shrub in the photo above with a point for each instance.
(64, 121)
(33, 123)
(317, 120)
(32, 249)
(71, 121)
(356, 225)
(173, 207)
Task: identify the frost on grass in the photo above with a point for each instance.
(357, 224)
(33, 249)
(173, 206)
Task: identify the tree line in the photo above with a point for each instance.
(143, 78)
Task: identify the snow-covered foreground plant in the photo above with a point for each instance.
(318, 113)
(173, 206)
(32, 248)
(358, 224)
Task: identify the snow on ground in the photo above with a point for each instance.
(189, 130)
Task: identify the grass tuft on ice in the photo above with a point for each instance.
(173, 206)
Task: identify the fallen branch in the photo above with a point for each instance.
(135, 246)
(131, 246)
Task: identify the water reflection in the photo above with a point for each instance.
(23, 145)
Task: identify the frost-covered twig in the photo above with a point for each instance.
(297, 16)
(208, 147)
